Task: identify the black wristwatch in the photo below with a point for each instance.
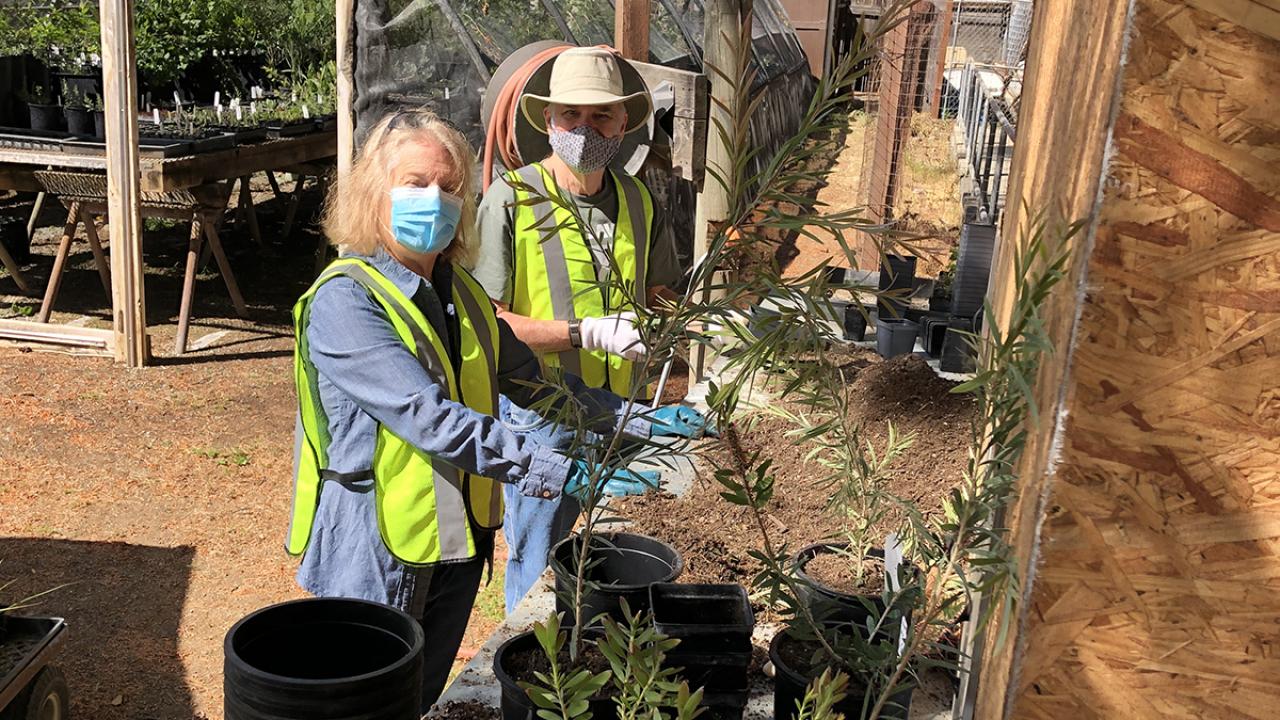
(575, 333)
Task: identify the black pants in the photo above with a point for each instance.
(450, 595)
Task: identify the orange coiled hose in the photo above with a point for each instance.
(501, 135)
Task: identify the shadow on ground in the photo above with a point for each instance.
(121, 659)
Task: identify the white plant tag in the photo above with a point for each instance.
(306, 114)
(217, 97)
(155, 115)
(892, 561)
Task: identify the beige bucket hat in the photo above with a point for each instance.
(586, 76)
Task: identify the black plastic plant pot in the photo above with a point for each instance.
(99, 124)
(958, 353)
(789, 684)
(323, 659)
(45, 117)
(516, 703)
(620, 565)
(79, 121)
(704, 618)
(855, 322)
(833, 605)
(895, 337)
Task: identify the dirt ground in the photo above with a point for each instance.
(714, 536)
(927, 204)
(159, 495)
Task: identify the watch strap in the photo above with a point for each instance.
(575, 333)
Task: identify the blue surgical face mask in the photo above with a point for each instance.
(424, 220)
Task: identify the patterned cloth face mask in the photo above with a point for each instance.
(583, 148)
(424, 220)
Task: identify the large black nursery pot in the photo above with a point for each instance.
(831, 604)
(45, 117)
(789, 684)
(516, 703)
(897, 279)
(323, 659)
(79, 121)
(621, 565)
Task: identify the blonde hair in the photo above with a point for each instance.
(351, 221)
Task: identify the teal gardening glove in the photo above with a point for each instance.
(680, 421)
(616, 484)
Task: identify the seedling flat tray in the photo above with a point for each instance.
(25, 139)
(27, 646)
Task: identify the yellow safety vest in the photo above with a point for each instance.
(555, 275)
(428, 510)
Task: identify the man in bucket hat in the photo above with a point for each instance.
(551, 277)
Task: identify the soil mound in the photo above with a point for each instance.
(715, 537)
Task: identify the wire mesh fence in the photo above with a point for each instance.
(941, 103)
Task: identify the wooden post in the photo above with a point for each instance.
(120, 95)
(939, 74)
(631, 29)
(344, 12)
(722, 26)
(1144, 526)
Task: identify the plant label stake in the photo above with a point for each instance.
(306, 114)
(892, 560)
(662, 379)
(155, 115)
(217, 98)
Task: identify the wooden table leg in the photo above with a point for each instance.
(59, 261)
(292, 211)
(275, 186)
(198, 223)
(14, 271)
(227, 277)
(35, 215)
(246, 203)
(99, 257)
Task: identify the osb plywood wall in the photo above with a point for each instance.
(1156, 591)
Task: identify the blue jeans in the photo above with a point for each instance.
(532, 525)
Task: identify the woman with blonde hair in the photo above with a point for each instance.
(399, 364)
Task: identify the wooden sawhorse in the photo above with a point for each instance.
(84, 194)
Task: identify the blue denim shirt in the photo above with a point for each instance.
(368, 376)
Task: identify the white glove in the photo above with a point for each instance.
(615, 334)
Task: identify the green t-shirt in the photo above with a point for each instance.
(495, 222)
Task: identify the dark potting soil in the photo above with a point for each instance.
(803, 656)
(470, 710)
(837, 572)
(714, 537)
(522, 664)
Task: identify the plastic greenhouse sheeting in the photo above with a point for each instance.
(440, 53)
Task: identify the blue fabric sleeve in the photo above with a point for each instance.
(354, 345)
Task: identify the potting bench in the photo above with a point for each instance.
(191, 187)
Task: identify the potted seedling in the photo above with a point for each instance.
(45, 113)
(620, 671)
(76, 107)
(283, 119)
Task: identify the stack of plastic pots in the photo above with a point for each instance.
(713, 624)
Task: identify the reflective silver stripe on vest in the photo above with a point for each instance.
(553, 255)
(639, 233)
(451, 508)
